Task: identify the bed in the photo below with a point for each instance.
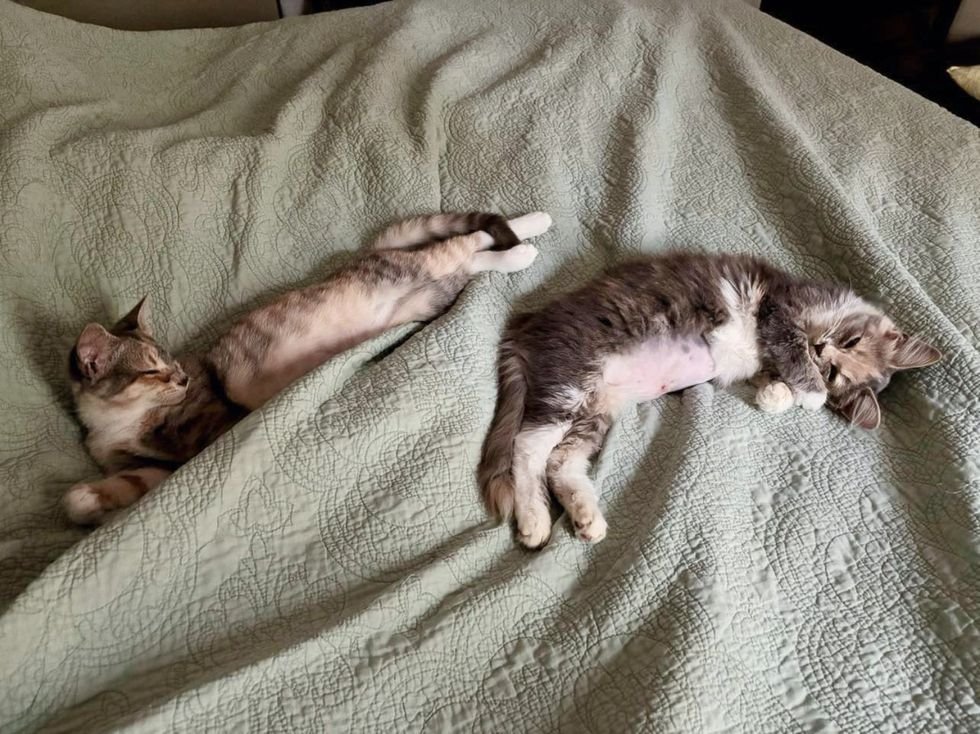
(327, 565)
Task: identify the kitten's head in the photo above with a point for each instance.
(857, 349)
(124, 365)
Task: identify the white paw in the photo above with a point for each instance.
(83, 505)
(811, 400)
(520, 257)
(530, 225)
(590, 525)
(534, 528)
(774, 397)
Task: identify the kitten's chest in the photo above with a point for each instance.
(113, 428)
(735, 344)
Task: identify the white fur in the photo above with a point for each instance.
(811, 400)
(589, 523)
(577, 495)
(525, 227)
(567, 399)
(656, 366)
(506, 261)
(83, 505)
(531, 450)
(734, 345)
(530, 225)
(774, 397)
(111, 425)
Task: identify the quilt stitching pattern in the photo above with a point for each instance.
(327, 565)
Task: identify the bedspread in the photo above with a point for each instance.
(327, 565)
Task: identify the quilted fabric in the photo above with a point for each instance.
(327, 565)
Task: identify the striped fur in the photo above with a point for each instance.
(146, 412)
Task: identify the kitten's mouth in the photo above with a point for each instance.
(177, 396)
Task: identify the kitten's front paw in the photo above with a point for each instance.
(590, 525)
(84, 505)
(774, 397)
(534, 528)
(811, 400)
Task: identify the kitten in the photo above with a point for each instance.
(660, 324)
(146, 412)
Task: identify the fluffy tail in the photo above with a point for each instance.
(495, 472)
(435, 227)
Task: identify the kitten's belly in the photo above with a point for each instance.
(657, 366)
(289, 359)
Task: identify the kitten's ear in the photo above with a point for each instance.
(862, 409)
(135, 319)
(912, 353)
(94, 349)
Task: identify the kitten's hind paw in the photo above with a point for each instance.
(775, 397)
(590, 527)
(517, 258)
(530, 225)
(84, 505)
(534, 528)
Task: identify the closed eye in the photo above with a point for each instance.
(852, 343)
(150, 373)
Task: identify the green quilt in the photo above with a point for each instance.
(327, 566)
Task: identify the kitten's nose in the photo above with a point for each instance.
(182, 381)
(818, 348)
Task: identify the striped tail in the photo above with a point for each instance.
(495, 472)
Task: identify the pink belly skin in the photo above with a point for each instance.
(658, 366)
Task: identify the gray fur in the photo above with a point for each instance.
(816, 339)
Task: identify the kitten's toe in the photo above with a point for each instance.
(811, 400)
(774, 397)
(534, 529)
(84, 505)
(590, 526)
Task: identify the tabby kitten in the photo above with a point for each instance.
(660, 324)
(145, 412)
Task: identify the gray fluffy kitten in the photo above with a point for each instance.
(660, 324)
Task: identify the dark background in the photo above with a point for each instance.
(904, 40)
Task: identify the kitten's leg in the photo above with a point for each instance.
(445, 258)
(532, 446)
(799, 381)
(567, 473)
(503, 261)
(88, 503)
(437, 274)
(448, 257)
(525, 227)
(419, 230)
